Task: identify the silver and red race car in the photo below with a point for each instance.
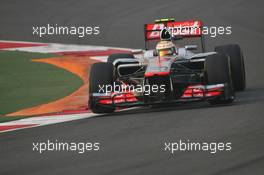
(169, 73)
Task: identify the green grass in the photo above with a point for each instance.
(25, 84)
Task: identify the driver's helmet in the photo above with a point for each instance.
(165, 48)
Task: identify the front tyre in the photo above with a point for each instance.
(236, 63)
(101, 74)
(217, 70)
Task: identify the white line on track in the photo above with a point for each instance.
(45, 120)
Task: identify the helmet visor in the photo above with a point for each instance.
(166, 52)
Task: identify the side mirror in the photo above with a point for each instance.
(191, 47)
(137, 51)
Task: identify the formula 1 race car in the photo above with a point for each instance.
(168, 73)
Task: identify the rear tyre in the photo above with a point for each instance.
(217, 69)
(113, 57)
(236, 63)
(101, 74)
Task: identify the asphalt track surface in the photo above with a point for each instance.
(132, 142)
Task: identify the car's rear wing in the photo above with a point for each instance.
(182, 29)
